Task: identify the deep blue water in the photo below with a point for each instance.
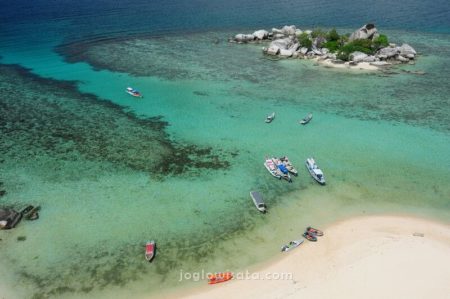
(79, 19)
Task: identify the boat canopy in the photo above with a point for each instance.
(318, 172)
(257, 197)
(282, 168)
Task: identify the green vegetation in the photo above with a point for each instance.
(333, 46)
(333, 36)
(381, 41)
(340, 45)
(305, 41)
(318, 32)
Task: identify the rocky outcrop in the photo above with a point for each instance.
(406, 50)
(367, 31)
(285, 42)
(244, 38)
(261, 34)
(288, 30)
(358, 56)
(388, 52)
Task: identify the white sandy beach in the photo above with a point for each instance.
(364, 66)
(366, 257)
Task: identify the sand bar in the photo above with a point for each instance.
(365, 257)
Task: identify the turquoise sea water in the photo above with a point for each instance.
(111, 171)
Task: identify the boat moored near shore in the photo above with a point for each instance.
(291, 245)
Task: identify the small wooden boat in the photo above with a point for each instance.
(133, 92)
(150, 250)
(258, 201)
(289, 166)
(270, 117)
(307, 119)
(219, 277)
(31, 212)
(314, 231)
(310, 237)
(315, 171)
(291, 245)
(27, 210)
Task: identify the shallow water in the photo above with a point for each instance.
(111, 171)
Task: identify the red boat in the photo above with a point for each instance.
(219, 277)
(314, 231)
(150, 250)
(310, 237)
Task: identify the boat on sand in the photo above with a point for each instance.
(291, 245)
(306, 119)
(310, 237)
(314, 231)
(270, 117)
(315, 171)
(219, 277)
(150, 250)
(258, 201)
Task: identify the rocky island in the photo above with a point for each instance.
(365, 48)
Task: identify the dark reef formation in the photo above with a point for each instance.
(45, 116)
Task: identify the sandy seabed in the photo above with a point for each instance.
(364, 257)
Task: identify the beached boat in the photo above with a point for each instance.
(291, 245)
(277, 170)
(270, 117)
(310, 237)
(314, 231)
(315, 171)
(150, 250)
(133, 92)
(307, 119)
(219, 277)
(258, 201)
(289, 166)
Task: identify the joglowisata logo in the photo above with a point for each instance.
(242, 275)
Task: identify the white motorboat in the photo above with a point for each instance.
(270, 117)
(307, 119)
(315, 171)
(133, 92)
(291, 245)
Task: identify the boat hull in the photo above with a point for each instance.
(311, 168)
(275, 172)
(258, 201)
(150, 250)
(294, 244)
(306, 120)
(219, 277)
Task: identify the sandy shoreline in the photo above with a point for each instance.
(361, 66)
(364, 257)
